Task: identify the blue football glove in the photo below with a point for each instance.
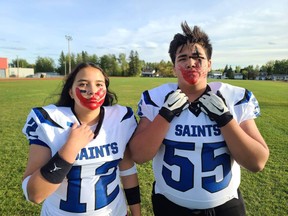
(175, 102)
(214, 106)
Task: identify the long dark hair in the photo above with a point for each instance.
(65, 98)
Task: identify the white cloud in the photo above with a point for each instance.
(242, 32)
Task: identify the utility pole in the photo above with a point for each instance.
(69, 38)
(17, 66)
(65, 67)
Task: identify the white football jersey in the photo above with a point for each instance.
(193, 167)
(92, 186)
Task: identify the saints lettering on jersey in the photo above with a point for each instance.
(193, 166)
(92, 185)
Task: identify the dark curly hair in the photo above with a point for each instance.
(67, 101)
(190, 36)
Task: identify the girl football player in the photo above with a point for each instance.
(78, 150)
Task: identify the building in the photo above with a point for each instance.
(282, 77)
(238, 76)
(6, 71)
(3, 67)
(20, 72)
(148, 73)
(262, 76)
(215, 75)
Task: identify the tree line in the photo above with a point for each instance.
(132, 65)
(120, 65)
(250, 72)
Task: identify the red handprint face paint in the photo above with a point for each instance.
(190, 63)
(191, 75)
(95, 100)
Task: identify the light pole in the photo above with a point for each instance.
(69, 38)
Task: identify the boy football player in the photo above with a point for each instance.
(198, 135)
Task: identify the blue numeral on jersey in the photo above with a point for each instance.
(102, 198)
(72, 204)
(172, 159)
(210, 161)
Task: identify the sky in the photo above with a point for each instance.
(242, 32)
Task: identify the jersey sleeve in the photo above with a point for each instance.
(248, 106)
(131, 122)
(33, 130)
(152, 100)
(240, 101)
(120, 123)
(147, 107)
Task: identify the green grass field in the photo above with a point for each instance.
(265, 193)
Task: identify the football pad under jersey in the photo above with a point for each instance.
(193, 167)
(92, 185)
